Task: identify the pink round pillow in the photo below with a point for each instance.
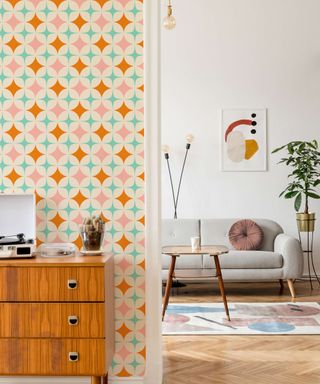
(246, 235)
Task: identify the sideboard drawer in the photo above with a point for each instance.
(85, 320)
(52, 357)
(52, 284)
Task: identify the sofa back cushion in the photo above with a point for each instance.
(179, 231)
(216, 231)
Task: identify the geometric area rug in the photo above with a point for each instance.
(246, 319)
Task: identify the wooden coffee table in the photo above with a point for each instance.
(176, 251)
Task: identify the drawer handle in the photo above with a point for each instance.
(73, 320)
(73, 356)
(72, 284)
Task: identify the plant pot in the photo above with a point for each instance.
(306, 222)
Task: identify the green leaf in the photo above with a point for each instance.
(290, 195)
(278, 149)
(297, 202)
(314, 144)
(313, 195)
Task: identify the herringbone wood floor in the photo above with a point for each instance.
(242, 359)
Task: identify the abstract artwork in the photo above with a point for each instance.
(246, 319)
(244, 140)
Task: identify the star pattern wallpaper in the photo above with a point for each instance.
(71, 131)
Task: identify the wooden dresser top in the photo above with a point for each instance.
(62, 261)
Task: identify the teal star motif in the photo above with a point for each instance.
(112, 121)
(112, 164)
(68, 99)
(135, 11)
(112, 210)
(113, 11)
(46, 232)
(134, 341)
(2, 54)
(24, 187)
(46, 99)
(112, 56)
(134, 232)
(46, 210)
(114, 364)
(91, 188)
(112, 188)
(46, 120)
(134, 297)
(134, 275)
(24, 141)
(2, 98)
(24, 165)
(135, 99)
(47, 10)
(134, 319)
(91, 210)
(24, 11)
(112, 77)
(113, 99)
(46, 77)
(135, 33)
(135, 55)
(135, 77)
(68, 231)
(135, 165)
(135, 209)
(112, 142)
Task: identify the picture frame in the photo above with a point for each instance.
(244, 140)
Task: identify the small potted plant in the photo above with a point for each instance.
(304, 159)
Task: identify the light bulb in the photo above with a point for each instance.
(190, 138)
(165, 148)
(169, 22)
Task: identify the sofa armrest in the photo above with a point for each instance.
(290, 249)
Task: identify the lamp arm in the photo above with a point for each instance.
(172, 188)
(180, 181)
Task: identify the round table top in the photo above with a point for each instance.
(212, 250)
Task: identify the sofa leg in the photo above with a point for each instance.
(291, 287)
(281, 284)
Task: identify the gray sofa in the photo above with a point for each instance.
(280, 257)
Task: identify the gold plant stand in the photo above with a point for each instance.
(308, 249)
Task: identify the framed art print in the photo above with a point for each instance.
(244, 140)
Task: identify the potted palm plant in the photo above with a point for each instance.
(304, 159)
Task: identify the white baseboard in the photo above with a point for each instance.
(67, 380)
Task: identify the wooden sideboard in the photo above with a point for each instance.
(57, 316)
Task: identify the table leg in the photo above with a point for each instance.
(221, 285)
(105, 379)
(95, 379)
(168, 286)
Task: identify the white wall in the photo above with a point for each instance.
(238, 54)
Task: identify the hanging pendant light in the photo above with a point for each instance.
(169, 22)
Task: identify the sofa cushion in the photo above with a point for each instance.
(246, 235)
(246, 260)
(216, 231)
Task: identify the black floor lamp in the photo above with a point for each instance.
(175, 197)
